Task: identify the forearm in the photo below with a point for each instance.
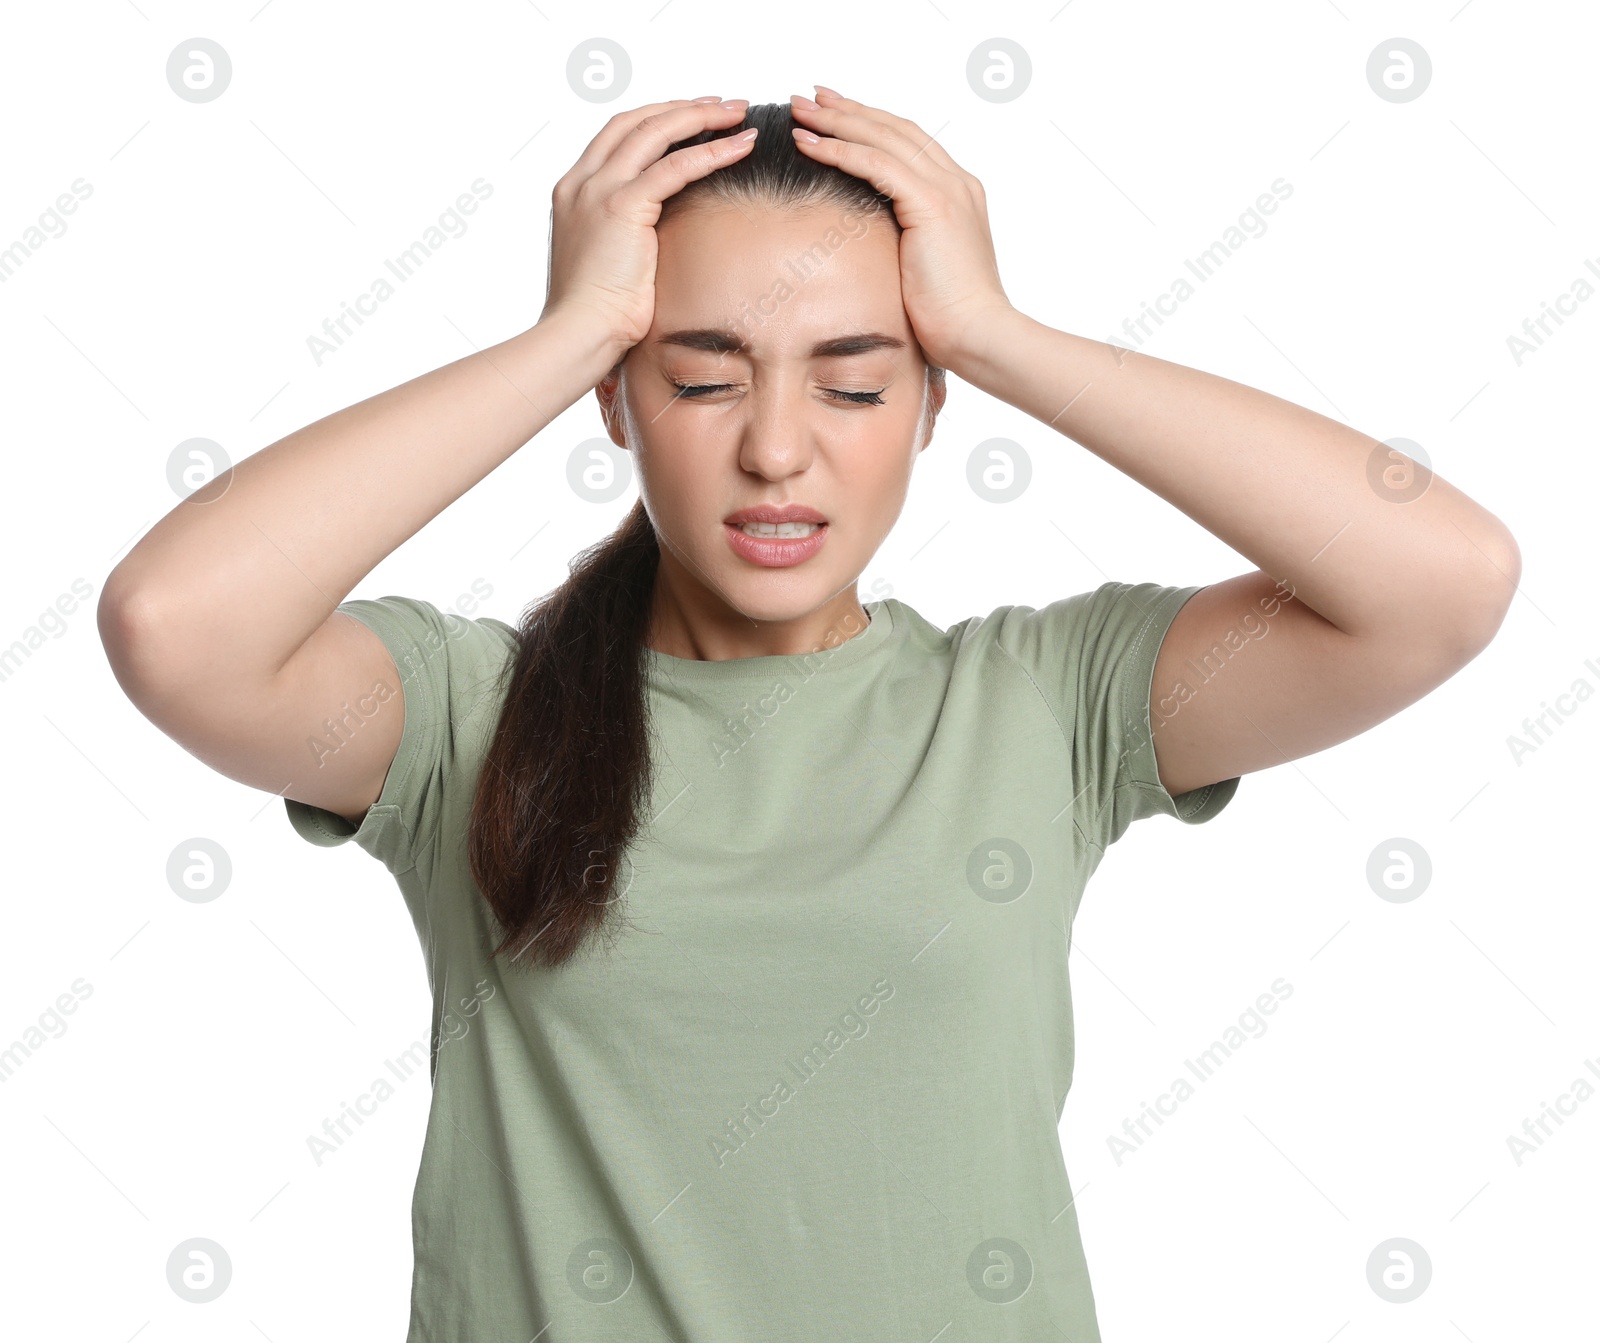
(1289, 489)
(256, 560)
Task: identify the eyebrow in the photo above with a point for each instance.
(715, 340)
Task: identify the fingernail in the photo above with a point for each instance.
(801, 133)
(823, 88)
(800, 100)
(733, 104)
(713, 98)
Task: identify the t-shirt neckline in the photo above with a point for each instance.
(664, 667)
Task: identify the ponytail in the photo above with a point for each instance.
(567, 774)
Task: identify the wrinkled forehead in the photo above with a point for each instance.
(783, 280)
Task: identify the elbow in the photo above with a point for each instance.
(1493, 594)
(121, 611)
(127, 617)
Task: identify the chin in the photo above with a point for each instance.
(763, 601)
(778, 595)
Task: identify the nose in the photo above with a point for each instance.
(777, 438)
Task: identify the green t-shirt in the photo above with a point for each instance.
(812, 1092)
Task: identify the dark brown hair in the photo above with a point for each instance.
(568, 773)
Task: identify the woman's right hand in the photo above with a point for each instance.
(604, 211)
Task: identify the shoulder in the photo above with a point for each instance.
(441, 655)
(1087, 651)
(1114, 618)
(1023, 632)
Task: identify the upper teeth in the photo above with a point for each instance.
(779, 528)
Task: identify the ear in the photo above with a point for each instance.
(936, 395)
(608, 393)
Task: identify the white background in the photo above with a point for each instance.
(178, 302)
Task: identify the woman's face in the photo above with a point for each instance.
(817, 394)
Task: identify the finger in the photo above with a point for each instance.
(910, 149)
(920, 143)
(672, 172)
(886, 171)
(616, 130)
(857, 126)
(610, 135)
(651, 137)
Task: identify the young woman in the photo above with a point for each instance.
(746, 904)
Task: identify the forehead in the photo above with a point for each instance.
(783, 279)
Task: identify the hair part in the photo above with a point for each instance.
(775, 172)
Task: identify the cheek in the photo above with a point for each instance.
(662, 440)
(681, 476)
(877, 482)
(890, 444)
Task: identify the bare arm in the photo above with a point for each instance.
(218, 622)
(1392, 579)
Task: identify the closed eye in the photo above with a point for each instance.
(855, 398)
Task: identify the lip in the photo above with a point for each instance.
(774, 552)
(768, 513)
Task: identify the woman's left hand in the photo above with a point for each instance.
(949, 280)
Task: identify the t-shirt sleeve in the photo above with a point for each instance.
(1093, 657)
(449, 669)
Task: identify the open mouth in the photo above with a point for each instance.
(776, 544)
(786, 531)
